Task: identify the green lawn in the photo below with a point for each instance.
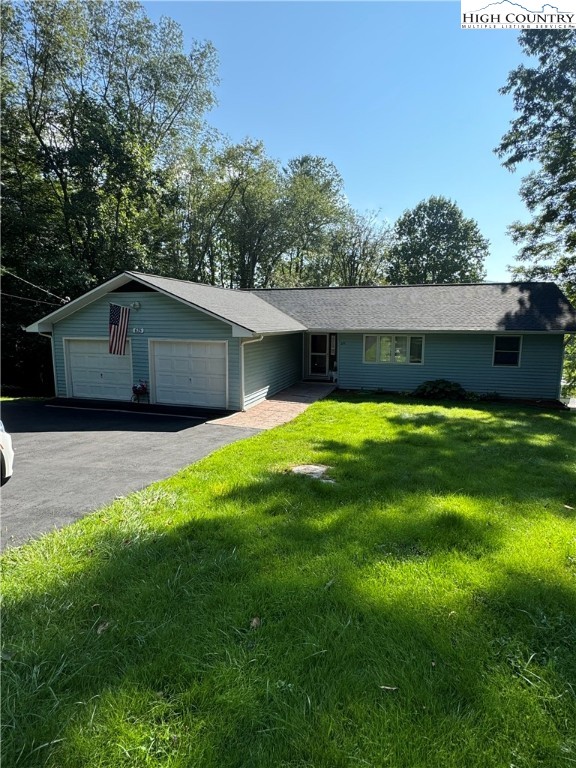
(419, 611)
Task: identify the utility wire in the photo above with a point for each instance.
(63, 301)
(35, 301)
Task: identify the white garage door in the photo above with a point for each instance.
(190, 373)
(92, 372)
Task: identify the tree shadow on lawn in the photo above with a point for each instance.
(187, 673)
(266, 636)
(493, 452)
(432, 456)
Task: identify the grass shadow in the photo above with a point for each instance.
(239, 615)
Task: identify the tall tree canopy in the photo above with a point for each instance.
(108, 164)
(544, 134)
(435, 243)
(314, 204)
(359, 251)
(246, 221)
(94, 97)
(95, 94)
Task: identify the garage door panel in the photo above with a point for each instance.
(207, 351)
(94, 373)
(199, 365)
(177, 382)
(181, 365)
(217, 367)
(200, 383)
(190, 373)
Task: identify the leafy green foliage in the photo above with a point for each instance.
(252, 231)
(313, 207)
(240, 615)
(94, 96)
(359, 251)
(544, 133)
(440, 389)
(245, 221)
(435, 243)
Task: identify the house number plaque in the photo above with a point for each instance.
(137, 330)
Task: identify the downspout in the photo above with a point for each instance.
(242, 345)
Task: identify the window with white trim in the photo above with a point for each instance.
(400, 349)
(507, 350)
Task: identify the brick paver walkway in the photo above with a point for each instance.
(280, 408)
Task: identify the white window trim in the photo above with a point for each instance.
(507, 336)
(409, 336)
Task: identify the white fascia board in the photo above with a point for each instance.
(254, 334)
(237, 330)
(46, 323)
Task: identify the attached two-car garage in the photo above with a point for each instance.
(190, 373)
(194, 345)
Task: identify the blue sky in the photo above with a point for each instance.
(395, 94)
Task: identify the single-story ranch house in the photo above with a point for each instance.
(198, 345)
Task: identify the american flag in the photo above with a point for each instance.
(118, 327)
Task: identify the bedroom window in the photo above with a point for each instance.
(394, 348)
(507, 350)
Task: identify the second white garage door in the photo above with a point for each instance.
(190, 373)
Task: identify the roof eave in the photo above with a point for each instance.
(237, 330)
(46, 323)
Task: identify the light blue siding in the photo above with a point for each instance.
(271, 365)
(159, 317)
(275, 362)
(464, 358)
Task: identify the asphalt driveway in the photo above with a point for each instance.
(70, 461)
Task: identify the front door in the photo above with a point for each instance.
(322, 357)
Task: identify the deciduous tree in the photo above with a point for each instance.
(359, 250)
(314, 205)
(544, 134)
(435, 243)
(94, 95)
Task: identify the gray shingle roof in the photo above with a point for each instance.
(490, 307)
(242, 308)
(487, 307)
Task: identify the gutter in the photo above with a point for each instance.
(242, 345)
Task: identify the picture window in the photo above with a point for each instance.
(399, 349)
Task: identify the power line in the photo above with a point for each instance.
(64, 301)
(34, 301)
